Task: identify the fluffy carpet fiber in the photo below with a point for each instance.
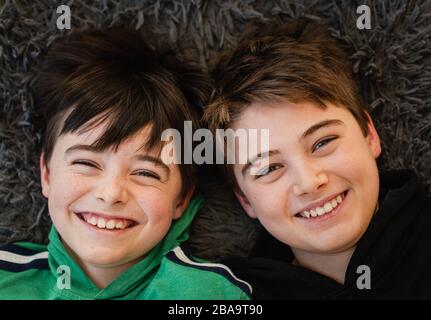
(392, 61)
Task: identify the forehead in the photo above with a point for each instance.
(89, 135)
(288, 117)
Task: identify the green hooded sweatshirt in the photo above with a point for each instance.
(34, 271)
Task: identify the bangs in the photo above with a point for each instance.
(117, 78)
(126, 112)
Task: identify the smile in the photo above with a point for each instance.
(106, 222)
(327, 207)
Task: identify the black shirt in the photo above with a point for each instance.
(396, 248)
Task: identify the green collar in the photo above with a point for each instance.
(130, 282)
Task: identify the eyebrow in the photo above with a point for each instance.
(81, 147)
(308, 132)
(321, 124)
(255, 158)
(139, 157)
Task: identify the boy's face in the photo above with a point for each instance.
(110, 208)
(311, 165)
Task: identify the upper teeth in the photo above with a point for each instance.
(326, 208)
(103, 223)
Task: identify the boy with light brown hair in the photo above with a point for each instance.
(333, 225)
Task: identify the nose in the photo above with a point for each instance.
(309, 178)
(111, 190)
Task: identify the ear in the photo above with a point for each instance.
(44, 175)
(373, 138)
(183, 203)
(245, 203)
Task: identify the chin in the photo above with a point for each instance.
(103, 257)
(336, 243)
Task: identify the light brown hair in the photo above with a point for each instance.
(296, 62)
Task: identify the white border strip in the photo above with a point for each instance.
(19, 259)
(183, 257)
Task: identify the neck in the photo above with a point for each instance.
(333, 266)
(101, 276)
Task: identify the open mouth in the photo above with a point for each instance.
(106, 223)
(328, 207)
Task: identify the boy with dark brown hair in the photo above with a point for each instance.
(119, 211)
(333, 225)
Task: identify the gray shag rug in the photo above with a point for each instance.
(392, 61)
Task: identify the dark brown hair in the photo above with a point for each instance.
(116, 75)
(296, 62)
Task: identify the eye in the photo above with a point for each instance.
(320, 144)
(85, 163)
(149, 174)
(267, 170)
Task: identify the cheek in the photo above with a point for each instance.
(352, 161)
(269, 200)
(65, 188)
(158, 205)
(64, 192)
